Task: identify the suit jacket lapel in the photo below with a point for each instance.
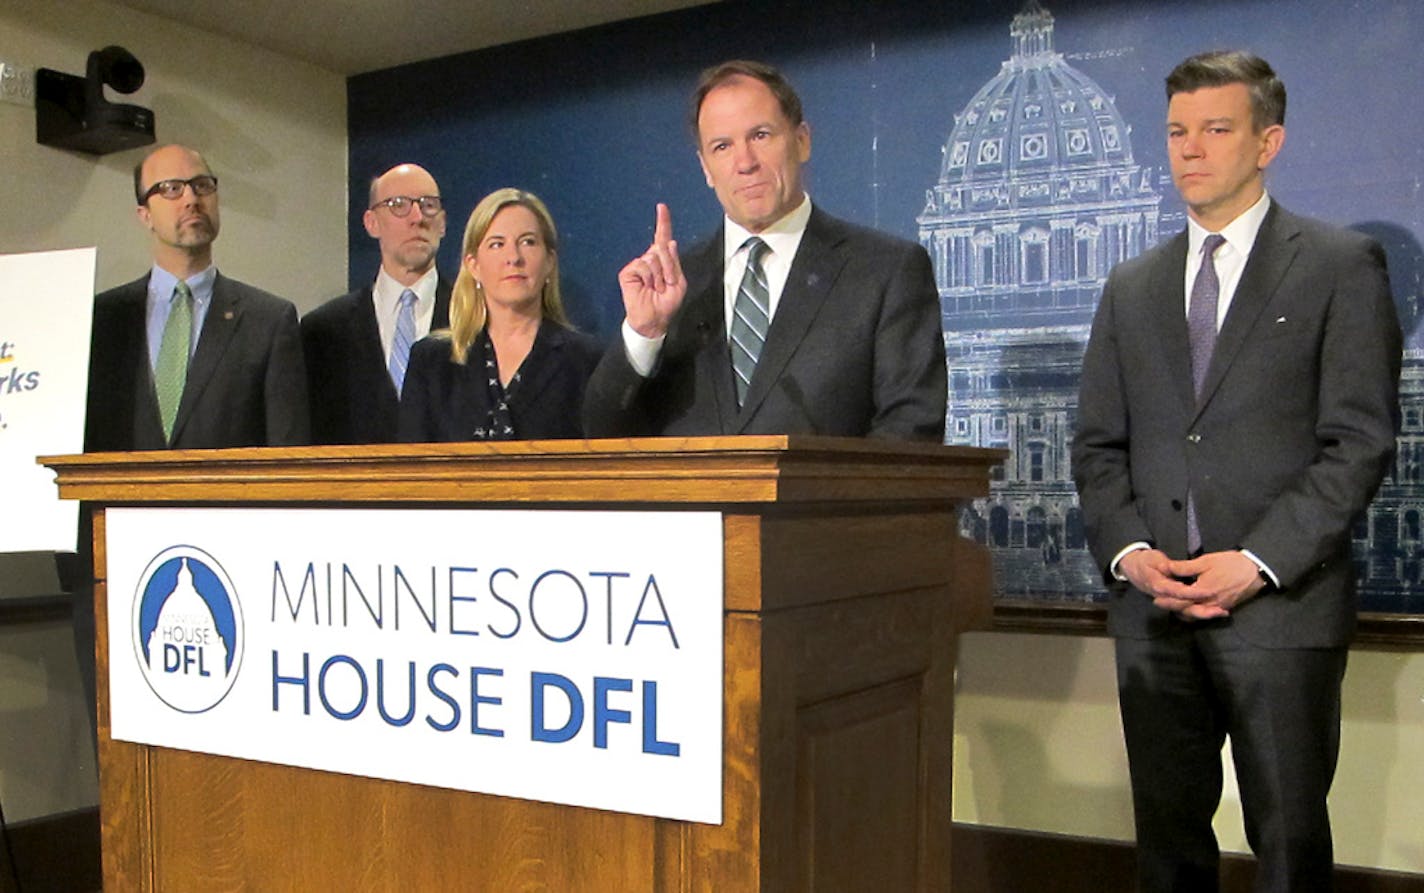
(1271, 256)
(706, 321)
(539, 366)
(1170, 317)
(441, 319)
(147, 421)
(370, 377)
(221, 322)
(813, 272)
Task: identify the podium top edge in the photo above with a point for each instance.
(853, 449)
(684, 471)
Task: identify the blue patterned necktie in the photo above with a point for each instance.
(171, 372)
(405, 337)
(751, 315)
(1201, 332)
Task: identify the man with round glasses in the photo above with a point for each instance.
(357, 345)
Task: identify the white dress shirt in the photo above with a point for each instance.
(386, 295)
(1240, 236)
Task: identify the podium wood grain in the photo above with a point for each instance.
(845, 587)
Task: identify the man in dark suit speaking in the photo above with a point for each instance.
(357, 345)
(185, 357)
(1238, 411)
(789, 320)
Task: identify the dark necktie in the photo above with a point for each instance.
(751, 315)
(1201, 331)
(172, 371)
(1201, 312)
(404, 338)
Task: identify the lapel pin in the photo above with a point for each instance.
(1280, 319)
(227, 314)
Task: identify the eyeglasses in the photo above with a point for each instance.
(400, 205)
(203, 184)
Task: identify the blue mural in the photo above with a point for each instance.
(1038, 197)
(1021, 142)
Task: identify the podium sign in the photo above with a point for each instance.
(565, 656)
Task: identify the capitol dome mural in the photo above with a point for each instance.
(1038, 197)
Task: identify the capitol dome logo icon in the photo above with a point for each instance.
(187, 629)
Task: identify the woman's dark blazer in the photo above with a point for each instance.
(445, 401)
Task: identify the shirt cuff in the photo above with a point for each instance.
(642, 352)
(1117, 559)
(1262, 566)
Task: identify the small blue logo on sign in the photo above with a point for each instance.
(187, 628)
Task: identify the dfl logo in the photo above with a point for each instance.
(187, 629)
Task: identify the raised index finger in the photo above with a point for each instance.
(662, 232)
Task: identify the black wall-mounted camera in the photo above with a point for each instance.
(72, 113)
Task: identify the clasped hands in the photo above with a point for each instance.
(652, 283)
(1202, 588)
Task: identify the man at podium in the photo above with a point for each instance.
(788, 320)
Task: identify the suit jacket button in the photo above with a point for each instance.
(1177, 504)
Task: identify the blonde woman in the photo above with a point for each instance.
(509, 367)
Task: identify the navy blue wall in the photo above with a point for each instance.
(595, 122)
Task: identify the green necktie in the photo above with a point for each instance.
(172, 370)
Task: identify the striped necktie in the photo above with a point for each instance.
(751, 315)
(405, 337)
(172, 371)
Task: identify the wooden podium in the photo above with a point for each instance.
(846, 585)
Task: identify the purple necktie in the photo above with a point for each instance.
(1201, 312)
(1201, 331)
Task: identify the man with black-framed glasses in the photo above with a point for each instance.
(357, 345)
(185, 357)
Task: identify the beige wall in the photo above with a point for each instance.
(46, 748)
(273, 129)
(1038, 746)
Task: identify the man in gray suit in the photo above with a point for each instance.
(243, 382)
(789, 320)
(1238, 411)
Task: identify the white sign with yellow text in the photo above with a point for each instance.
(566, 656)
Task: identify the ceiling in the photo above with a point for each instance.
(352, 36)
